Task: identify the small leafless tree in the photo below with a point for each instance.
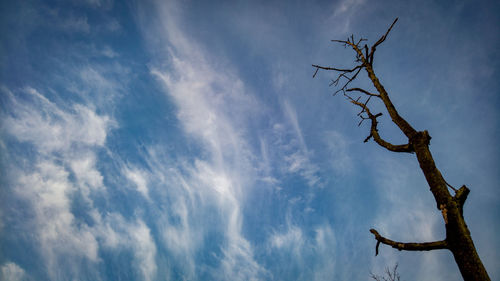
(390, 275)
(458, 238)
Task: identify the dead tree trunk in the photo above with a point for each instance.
(458, 238)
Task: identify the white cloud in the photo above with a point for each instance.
(324, 246)
(293, 239)
(345, 6)
(238, 262)
(210, 105)
(291, 116)
(139, 178)
(95, 79)
(316, 252)
(338, 146)
(145, 250)
(200, 191)
(120, 234)
(47, 189)
(98, 4)
(108, 52)
(299, 162)
(66, 22)
(12, 272)
(343, 13)
(64, 140)
(88, 177)
(297, 155)
(52, 129)
(214, 108)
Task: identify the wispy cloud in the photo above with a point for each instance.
(52, 129)
(12, 272)
(144, 249)
(72, 24)
(299, 162)
(291, 115)
(62, 21)
(338, 147)
(203, 152)
(313, 255)
(346, 6)
(344, 12)
(47, 190)
(120, 234)
(296, 153)
(95, 4)
(291, 239)
(139, 179)
(64, 167)
(55, 133)
(214, 108)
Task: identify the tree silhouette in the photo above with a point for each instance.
(458, 238)
(390, 275)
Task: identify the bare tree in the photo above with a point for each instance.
(390, 275)
(458, 238)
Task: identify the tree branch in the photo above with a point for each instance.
(405, 127)
(460, 197)
(374, 131)
(343, 74)
(336, 69)
(449, 185)
(362, 91)
(349, 80)
(382, 39)
(426, 246)
(462, 194)
(366, 63)
(343, 70)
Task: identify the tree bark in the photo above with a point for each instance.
(458, 237)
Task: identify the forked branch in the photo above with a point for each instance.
(345, 70)
(348, 74)
(382, 39)
(426, 246)
(364, 59)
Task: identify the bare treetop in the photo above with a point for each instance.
(458, 238)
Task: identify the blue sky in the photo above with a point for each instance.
(187, 140)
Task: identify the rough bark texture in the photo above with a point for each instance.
(458, 238)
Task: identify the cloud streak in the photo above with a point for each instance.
(56, 134)
(213, 108)
(63, 169)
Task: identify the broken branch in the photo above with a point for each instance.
(461, 196)
(426, 246)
